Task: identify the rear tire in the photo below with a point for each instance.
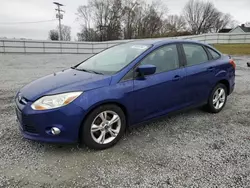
(103, 127)
(217, 98)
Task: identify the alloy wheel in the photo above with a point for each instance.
(105, 127)
(219, 98)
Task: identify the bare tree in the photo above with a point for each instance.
(174, 24)
(84, 14)
(152, 21)
(88, 35)
(105, 16)
(224, 21)
(200, 16)
(66, 33)
(113, 28)
(149, 19)
(117, 19)
(53, 34)
(131, 12)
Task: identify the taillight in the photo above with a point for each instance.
(232, 63)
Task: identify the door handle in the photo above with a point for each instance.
(210, 69)
(176, 78)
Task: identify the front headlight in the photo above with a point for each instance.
(54, 101)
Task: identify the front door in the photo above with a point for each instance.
(161, 92)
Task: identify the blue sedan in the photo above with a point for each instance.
(95, 101)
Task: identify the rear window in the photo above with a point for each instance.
(214, 54)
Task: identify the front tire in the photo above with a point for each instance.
(217, 98)
(103, 127)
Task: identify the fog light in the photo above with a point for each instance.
(55, 131)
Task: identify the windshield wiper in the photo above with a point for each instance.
(85, 70)
(96, 72)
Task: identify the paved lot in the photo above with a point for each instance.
(191, 149)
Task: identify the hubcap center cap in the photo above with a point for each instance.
(106, 126)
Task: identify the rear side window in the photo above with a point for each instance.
(195, 54)
(214, 54)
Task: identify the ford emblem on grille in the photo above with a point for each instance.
(19, 97)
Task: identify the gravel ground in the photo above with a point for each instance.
(191, 149)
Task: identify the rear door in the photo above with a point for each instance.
(200, 73)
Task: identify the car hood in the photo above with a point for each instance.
(64, 81)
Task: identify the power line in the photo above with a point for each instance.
(13, 23)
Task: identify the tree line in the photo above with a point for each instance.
(103, 20)
(66, 33)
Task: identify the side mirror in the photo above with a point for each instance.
(144, 70)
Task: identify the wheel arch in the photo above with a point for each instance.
(92, 108)
(226, 83)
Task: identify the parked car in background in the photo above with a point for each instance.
(96, 100)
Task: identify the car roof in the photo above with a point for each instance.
(164, 41)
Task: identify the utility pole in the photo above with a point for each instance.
(60, 17)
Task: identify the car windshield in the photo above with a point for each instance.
(113, 59)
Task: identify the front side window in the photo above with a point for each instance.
(195, 54)
(113, 59)
(164, 58)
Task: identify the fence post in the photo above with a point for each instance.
(3, 47)
(77, 48)
(43, 47)
(24, 46)
(229, 39)
(92, 45)
(61, 46)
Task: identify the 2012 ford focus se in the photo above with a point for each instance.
(96, 100)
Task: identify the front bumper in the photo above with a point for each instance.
(36, 125)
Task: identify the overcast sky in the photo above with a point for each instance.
(37, 10)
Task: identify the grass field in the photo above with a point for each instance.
(234, 49)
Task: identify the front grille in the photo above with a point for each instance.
(30, 129)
